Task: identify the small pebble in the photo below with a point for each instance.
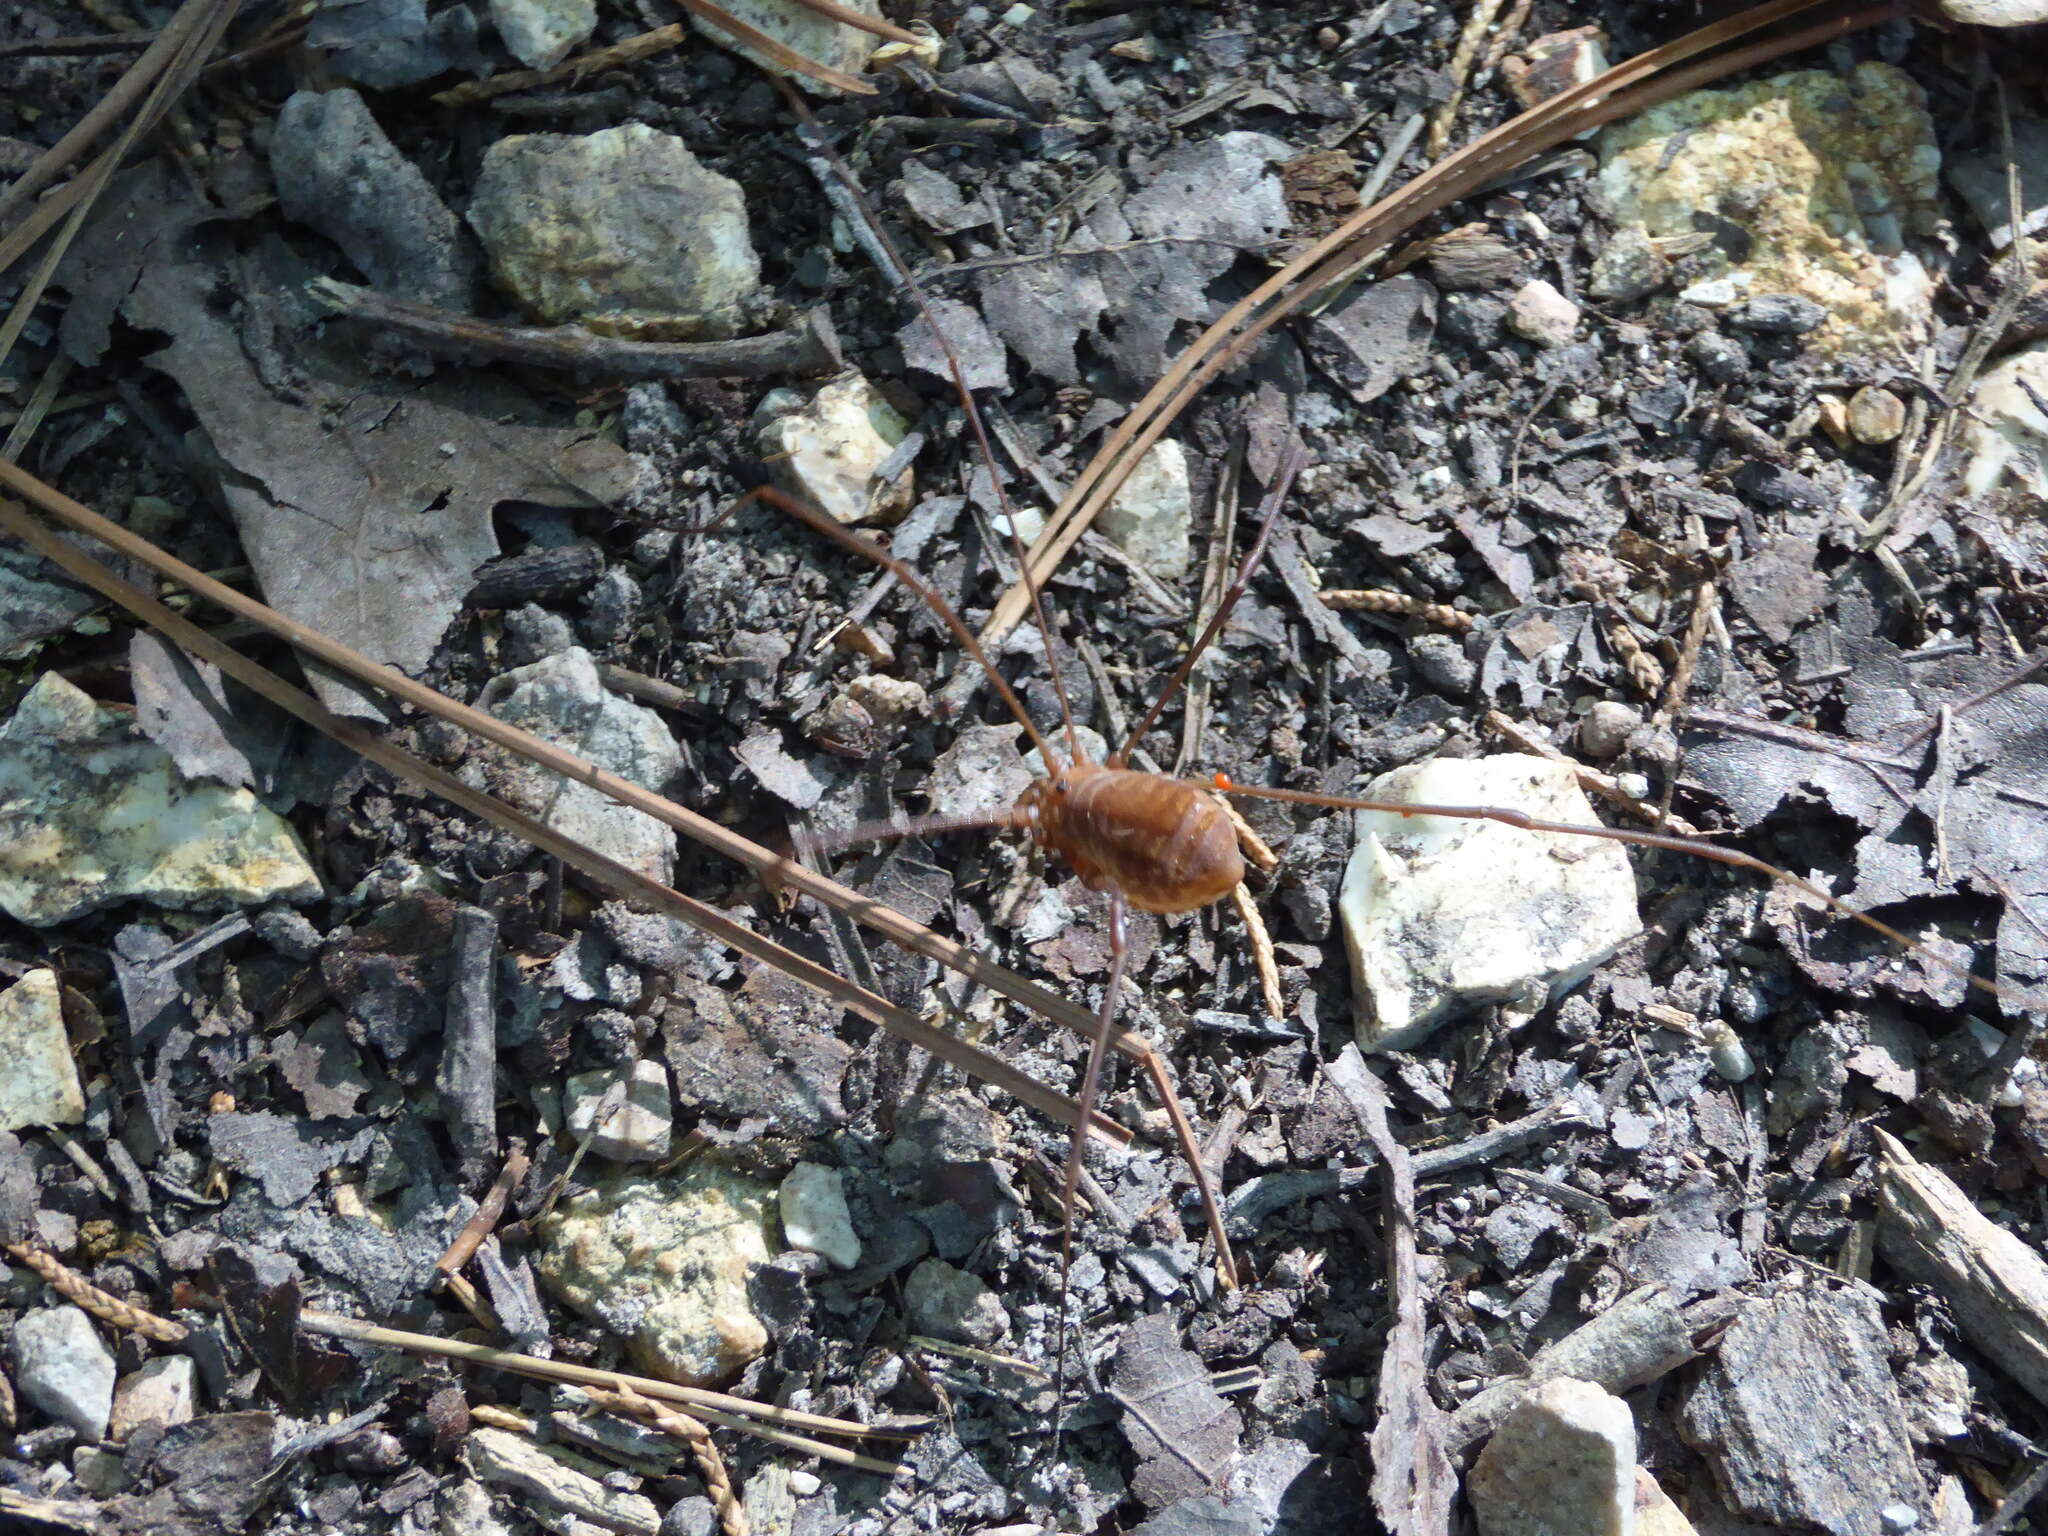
(63, 1367)
(1898, 1518)
(638, 1130)
(1442, 661)
(533, 633)
(804, 1484)
(1876, 416)
(1538, 313)
(814, 1214)
(1564, 1459)
(827, 447)
(1148, 519)
(1831, 414)
(949, 1303)
(164, 1391)
(40, 1084)
(1605, 730)
(1628, 268)
(1730, 1056)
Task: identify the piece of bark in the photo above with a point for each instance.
(1995, 1285)
(537, 575)
(1643, 1336)
(1412, 1480)
(469, 1049)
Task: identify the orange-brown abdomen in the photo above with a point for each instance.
(1167, 846)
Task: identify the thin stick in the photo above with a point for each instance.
(810, 346)
(1412, 1480)
(697, 1399)
(487, 1216)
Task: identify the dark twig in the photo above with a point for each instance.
(808, 347)
(1412, 1481)
(469, 1051)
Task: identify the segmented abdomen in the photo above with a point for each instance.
(1168, 846)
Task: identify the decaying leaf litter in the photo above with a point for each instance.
(1714, 1240)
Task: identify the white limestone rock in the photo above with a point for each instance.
(64, 1368)
(1995, 13)
(562, 699)
(2004, 431)
(1148, 518)
(637, 1129)
(824, 449)
(560, 1480)
(93, 813)
(1539, 314)
(542, 33)
(1564, 1459)
(162, 1391)
(814, 1214)
(664, 1264)
(1441, 914)
(39, 1085)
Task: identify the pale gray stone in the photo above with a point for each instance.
(63, 1367)
(542, 33)
(562, 699)
(560, 1479)
(949, 1303)
(637, 1129)
(1605, 730)
(814, 1214)
(337, 173)
(2005, 432)
(1148, 518)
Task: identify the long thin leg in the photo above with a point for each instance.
(1105, 1021)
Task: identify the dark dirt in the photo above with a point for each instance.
(1554, 520)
